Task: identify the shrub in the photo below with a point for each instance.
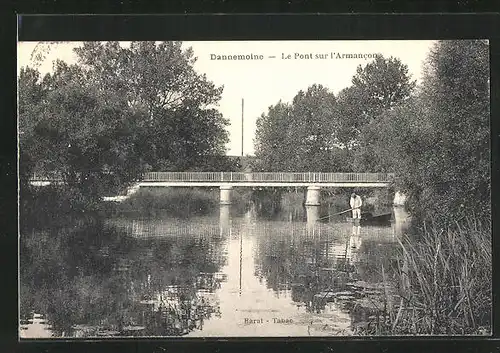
(176, 201)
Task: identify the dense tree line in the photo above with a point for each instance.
(439, 140)
(117, 112)
(290, 132)
(434, 137)
(319, 131)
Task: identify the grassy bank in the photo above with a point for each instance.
(53, 205)
(178, 202)
(443, 284)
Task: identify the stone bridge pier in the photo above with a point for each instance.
(313, 196)
(226, 194)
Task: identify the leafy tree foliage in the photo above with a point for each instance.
(272, 146)
(118, 112)
(435, 138)
(30, 96)
(319, 131)
(380, 85)
(456, 170)
(82, 135)
(438, 141)
(300, 136)
(181, 128)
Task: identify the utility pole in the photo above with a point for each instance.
(242, 109)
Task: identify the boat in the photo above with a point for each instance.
(369, 218)
(381, 218)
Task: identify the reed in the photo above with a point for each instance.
(177, 202)
(443, 283)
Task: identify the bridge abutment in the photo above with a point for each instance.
(226, 194)
(313, 197)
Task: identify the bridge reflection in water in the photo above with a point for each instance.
(202, 226)
(306, 273)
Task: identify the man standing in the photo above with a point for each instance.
(356, 206)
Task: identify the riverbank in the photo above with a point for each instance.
(58, 203)
(443, 284)
(177, 202)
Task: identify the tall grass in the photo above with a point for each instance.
(177, 202)
(444, 283)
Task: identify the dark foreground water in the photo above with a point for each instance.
(219, 275)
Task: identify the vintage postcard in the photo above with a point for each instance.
(254, 189)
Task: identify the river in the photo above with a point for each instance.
(219, 275)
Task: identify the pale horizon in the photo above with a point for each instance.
(262, 83)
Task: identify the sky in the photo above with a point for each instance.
(262, 83)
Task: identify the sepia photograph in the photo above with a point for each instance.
(254, 189)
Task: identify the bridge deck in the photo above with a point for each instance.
(267, 179)
(276, 178)
(258, 184)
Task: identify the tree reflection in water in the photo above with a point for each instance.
(93, 280)
(324, 263)
(158, 277)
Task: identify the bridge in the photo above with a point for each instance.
(266, 179)
(314, 181)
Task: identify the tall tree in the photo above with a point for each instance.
(438, 141)
(300, 136)
(380, 85)
(117, 112)
(272, 147)
(456, 93)
(31, 95)
(82, 135)
(182, 128)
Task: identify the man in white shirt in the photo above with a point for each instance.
(356, 206)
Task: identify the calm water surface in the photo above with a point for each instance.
(220, 275)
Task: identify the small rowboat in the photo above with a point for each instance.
(369, 218)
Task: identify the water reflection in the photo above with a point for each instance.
(104, 282)
(222, 275)
(401, 221)
(312, 213)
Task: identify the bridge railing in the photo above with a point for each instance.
(313, 177)
(235, 177)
